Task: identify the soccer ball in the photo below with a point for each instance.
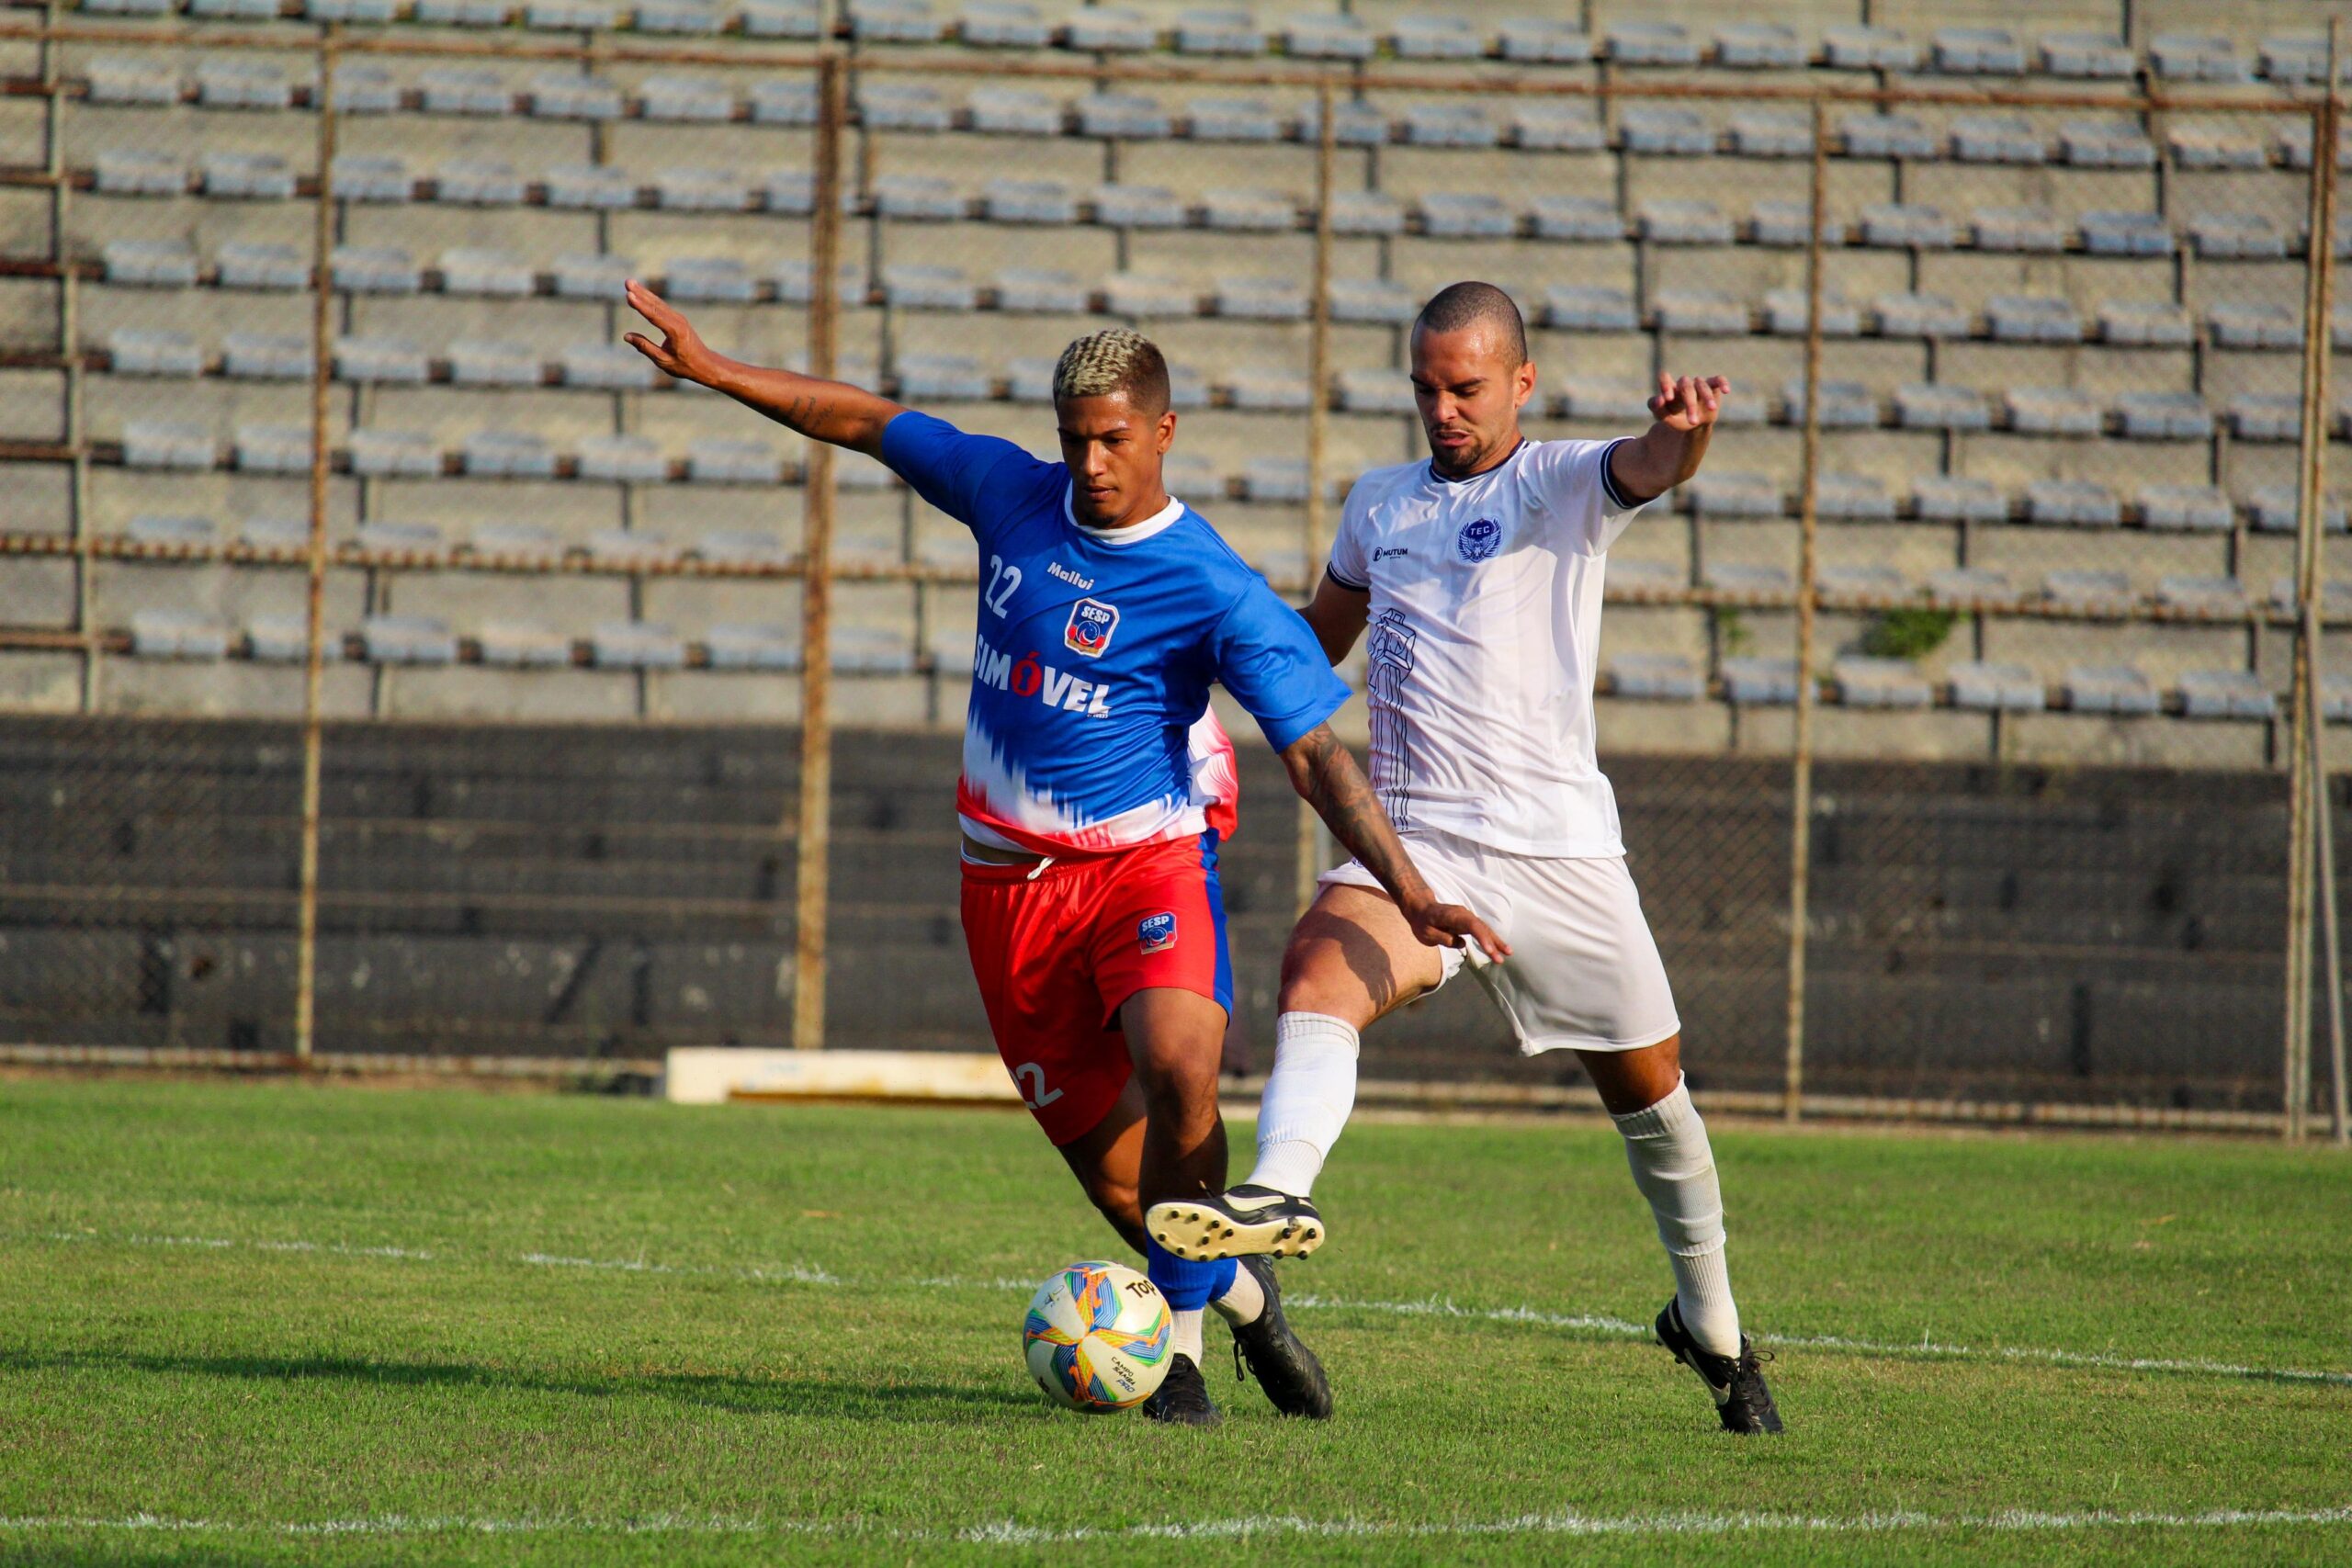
(1098, 1337)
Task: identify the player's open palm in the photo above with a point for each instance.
(1689, 403)
(1445, 925)
(681, 353)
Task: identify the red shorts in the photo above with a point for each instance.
(1057, 954)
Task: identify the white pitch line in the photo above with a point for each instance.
(1434, 1306)
(1009, 1533)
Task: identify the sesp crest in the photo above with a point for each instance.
(1092, 622)
(1156, 933)
(1479, 540)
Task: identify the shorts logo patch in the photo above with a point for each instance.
(1092, 622)
(1156, 933)
(1479, 540)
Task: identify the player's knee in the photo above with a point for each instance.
(1177, 1074)
(1118, 1200)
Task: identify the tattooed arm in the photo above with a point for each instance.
(1326, 776)
(823, 411)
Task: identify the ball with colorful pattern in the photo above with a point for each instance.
(1098, 1337)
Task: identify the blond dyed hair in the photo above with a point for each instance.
(1115, 362)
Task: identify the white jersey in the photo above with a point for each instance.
(1485, 635)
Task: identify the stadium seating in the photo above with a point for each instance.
(2059, 353)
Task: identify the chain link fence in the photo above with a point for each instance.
(401, 666)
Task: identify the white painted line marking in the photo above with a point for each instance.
(1009, 1533)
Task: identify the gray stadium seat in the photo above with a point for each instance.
(1701, 311)
(1760, 682)
(2267, 416)
(1233, 119)
(1733, 492)
(1997, 139)
(1466, 215)
(2239, 325)
(895, 21)
(2192, 591)
(1366, 212)
(2112, 143)
(173, 632)
(243, 83)
(1889, 136)
(2276, 508)
(558, 95)
(1216, 32)
(1967, 584)
(1435, 35)
(1881, 684)
(285, 639)
(384, 453)
(1449, 124)
(1002, 24)
(1109, 30)
(361, 87)
(1611, 402)
(1364, 390)
(156, 263)
(1137, 206)
(591, 277)
(1919, 315)
(1770, 133)
(637, 645)
(1920, 405)
(1045, 289)
(2053, 410)
(272, 448)
(150, 351)
(168, 444)
(148, 528)
(497, 362)
(2087, 56)
(1844, 404)
(787, 101)
(1542, 41)
(2027, 229)
(919, 285)
(1252, 387)
(1261, 299)
(2218, 147)
(2084, 589)
(678, 18)
(1657, 677)
(950, 377)
(2225, 694)
(1874, 582)
(589, 187)
(1852, 498)
(1592, 309)
(2127, 234)
(1372, 300)
(719, 279)
(132, 79)
(884, 105)
(484, 270)
(1650, 43)
(742, 546)
(1684, 222)
(381, 359)
(1536, 126)
(522, 644)
(2294, 59)
(408, 640)
(363, 178)
(1904, 225)
(514, 539)
(1869, 49)
(1950, 499)
(615, 546)
(138, 171)
(1775, 222)
(2164, 416)
(2237, 235)
(398, 538)
(720, 460)
(2158, 324)
(1997, 687)
(702, 189)
(1278, 482)
(2032, 318)
(1245, 210)
(1978, 51)
(1147, 294)
(684, 99)
(266, 356)
(1628, 575)
(509, 455)
(623, 458)
(2080, 503)
(734, 646)
(1029, 201)
(2195, 57)
(1665, 132)
(1123, 115)
(2109, 688)
(478, 182)
(1757, 46)
(1015, 111)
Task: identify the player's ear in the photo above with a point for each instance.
(1522, 383)
(1164, 433)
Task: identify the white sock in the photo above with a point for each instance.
(1666, 1146)
(1308, 1098)
(1188, 1332)
(1243, 1299)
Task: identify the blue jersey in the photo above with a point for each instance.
(1095, 652)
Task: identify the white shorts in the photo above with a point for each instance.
(1584, 973)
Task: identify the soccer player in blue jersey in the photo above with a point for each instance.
(1096, 788)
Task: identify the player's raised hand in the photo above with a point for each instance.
(1444, 925)
(1691, 403)
(681, 353)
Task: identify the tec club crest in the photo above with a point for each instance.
(1092, 622)
(1479, 540)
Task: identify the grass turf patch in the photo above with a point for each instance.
(299, 1323)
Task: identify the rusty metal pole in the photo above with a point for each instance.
(815, 834)
(306, 944)
(1314, 536)
(2304, 763)
(1801, 782)
(2323, 252)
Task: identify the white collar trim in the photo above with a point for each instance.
(1132, 534)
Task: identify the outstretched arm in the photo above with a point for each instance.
(1674, 447)
(1326, 776)
(823, 411)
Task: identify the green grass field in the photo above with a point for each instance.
(276, 1322)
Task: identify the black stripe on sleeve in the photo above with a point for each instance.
(1618, 500)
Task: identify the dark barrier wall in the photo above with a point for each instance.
(2062, 935)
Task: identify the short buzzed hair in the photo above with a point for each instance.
(1461, 305)
(1112, 363)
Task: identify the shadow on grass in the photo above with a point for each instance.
(733, 1392)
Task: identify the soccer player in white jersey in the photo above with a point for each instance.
(1479, 575)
